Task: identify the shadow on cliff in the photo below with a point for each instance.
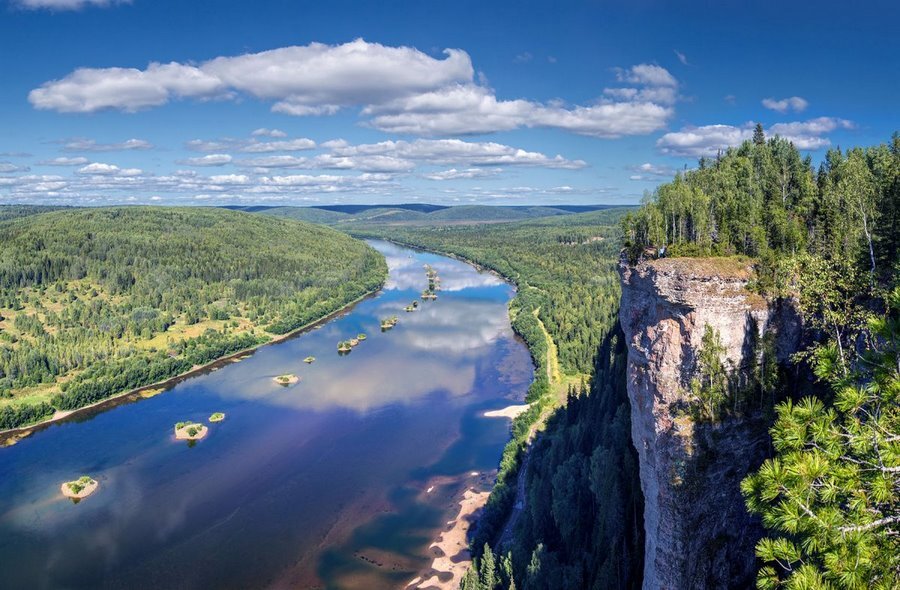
(722, 451)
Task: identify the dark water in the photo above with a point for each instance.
(322, 484)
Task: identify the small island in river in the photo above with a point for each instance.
(82, 487)
(344, 346)
(190, 431)
(217, 417)
(309, 360)
(286, 379)
(388, 323)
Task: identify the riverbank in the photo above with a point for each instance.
(12, 436)
(453, 545)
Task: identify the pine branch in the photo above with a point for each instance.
(872, 525)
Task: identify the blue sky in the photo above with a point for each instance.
(287, 102)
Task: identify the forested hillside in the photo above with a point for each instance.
(94, 302)
(581, 521)
(15, 211)
(826, 238)
(418, 214)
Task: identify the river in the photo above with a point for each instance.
(340, 481)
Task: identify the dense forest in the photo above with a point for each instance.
(581, 523)
(764, 200)
(16, 211)
(94, 302)
(826, 238)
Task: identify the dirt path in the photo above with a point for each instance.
(552, 360)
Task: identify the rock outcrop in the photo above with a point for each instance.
(698, 533)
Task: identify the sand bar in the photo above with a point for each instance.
(184, 434)
(507, 412)
(87, 488)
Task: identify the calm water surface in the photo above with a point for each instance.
(324, 484)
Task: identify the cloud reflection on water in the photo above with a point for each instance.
(435, 349)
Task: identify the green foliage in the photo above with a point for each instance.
(831, 496)
(89, 289)
(104, 380)
(14, 417)
(762, 199)
(710, 386)
(831, 296)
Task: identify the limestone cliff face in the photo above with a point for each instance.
(698, 533)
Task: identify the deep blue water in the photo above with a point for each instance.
(322, 484)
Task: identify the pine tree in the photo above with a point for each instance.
(470, 580)
(487, 569)
(710, 386)
(759, 136)
(831, 495)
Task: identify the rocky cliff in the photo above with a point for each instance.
(698, 533)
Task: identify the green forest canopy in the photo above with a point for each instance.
(97, 301)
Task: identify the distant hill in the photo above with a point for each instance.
(16, 211)
(420, 213)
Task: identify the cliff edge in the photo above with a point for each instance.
(698, 532)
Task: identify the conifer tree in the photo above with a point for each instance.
(487, 567)
(759, 136)
(832, 493)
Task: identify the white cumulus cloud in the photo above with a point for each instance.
(251, 146)
(794, 103)
(647, 171)
(400, 89)
(91, 145)
(264, 132)
(313, 76)
(457, 152)
(101, 169)
(454, 174)
(646, 74)
(208, 160)
(708, 140)
(65, 161)
(9, 167)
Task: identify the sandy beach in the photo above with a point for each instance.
(452, 548)
(508, 412)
